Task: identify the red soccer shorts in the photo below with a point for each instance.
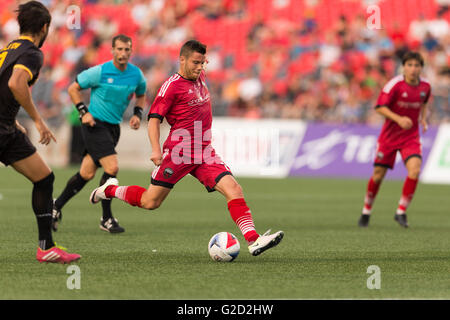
(385, 154)
(171, 171)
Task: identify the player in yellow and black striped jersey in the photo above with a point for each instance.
(20, 62)
(21, 53)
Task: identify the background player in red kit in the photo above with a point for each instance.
(403, 103)
(184, 101)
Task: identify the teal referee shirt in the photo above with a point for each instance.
(111, 89)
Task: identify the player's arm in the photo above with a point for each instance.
(21, 128)
(158, 110)
(154, 129)
(423, 113)
(18, 84)
(403, 121)
(423, 118)
(135, 121)
(86, 117)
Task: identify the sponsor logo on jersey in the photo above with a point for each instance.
(405, 104)
(199, 100)
(168, 172)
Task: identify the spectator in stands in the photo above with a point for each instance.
(295, 57)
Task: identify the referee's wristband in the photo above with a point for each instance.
(138, 112)
(82, 109)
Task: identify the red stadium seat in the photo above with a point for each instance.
(304, 64)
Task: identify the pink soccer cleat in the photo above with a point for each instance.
(56, 255)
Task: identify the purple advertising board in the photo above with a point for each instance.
(346, 151)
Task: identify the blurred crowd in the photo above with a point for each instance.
(316, 60)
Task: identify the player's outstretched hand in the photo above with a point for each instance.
(46, 135)
(88, 119)
(135, 122)
(156, 157)
(405, 123)
(424, 125)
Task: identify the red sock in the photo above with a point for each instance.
(130, 194)
(242, 216)
(409, 187)
(372, 190)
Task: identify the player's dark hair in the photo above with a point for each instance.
(32, 16)
(192, 46)
(121, 37)
(411, 55)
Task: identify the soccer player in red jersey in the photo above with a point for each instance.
(403, 103)
(184, 101)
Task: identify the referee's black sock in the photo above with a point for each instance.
(106, 204)
(42, 203)
(74, 185)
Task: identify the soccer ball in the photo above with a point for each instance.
(223, 247)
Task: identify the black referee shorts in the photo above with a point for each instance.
(15, 146)
(100, 140)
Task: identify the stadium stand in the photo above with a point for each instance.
(307, 59)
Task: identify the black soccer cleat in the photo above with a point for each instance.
(364, 220)
(111, 225)
(402, 220)
(56, 217)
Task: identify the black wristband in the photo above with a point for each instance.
(138, 112)
(82, 109)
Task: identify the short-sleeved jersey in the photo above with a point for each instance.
(405, 100)
(186, 105)
(111, 89)
(20, 53)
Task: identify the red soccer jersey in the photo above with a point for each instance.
(186, 106)
(405, 100)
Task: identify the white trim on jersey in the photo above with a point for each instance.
(155, 171)
(166, 84)
(388, 87)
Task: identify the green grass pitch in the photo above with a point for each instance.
(163, 253)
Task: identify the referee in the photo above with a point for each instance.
(112, 85)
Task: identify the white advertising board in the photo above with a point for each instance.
(437, 167)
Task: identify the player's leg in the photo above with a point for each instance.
(384, 160)
(77, 181)
(413, 165)
(42, 177)
(373, 186)
(164, 177)
(100, 142)
(215, 175)
(242, 216)
(108, 223)
(371, 192)
(135, 196)
(74, 185)
(153, 197)
(36, 170)
(239, 211)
